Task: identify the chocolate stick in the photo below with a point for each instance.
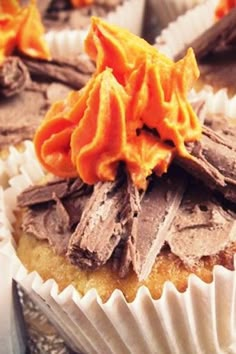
(62, 188)
(214, 162)
(222, 32)
(158, 208)
(77, 73)
(101, 226)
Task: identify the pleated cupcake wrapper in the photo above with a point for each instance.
(128, 15)
(12, 335)
(201, 320)
(168, 10)
(180, 33)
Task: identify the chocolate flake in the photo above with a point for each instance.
(13, 76)
(76, 72)
(122, 257)
(61, 188)
(202, 227)
(158, 208)
(53, 210)
(99, 230)
(213, 160)
(49, 223)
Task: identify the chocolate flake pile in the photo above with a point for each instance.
(116, 222)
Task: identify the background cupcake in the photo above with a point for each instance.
(212, 40)
(60, 17)
(30, 78)
(168, 10)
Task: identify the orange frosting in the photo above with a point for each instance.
(224, 7)
(134, 109)
(80, 3)
(21, 28)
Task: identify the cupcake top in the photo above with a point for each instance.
(108, 142)
(130, 111)
(75, 14)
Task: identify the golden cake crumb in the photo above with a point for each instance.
(38, 256)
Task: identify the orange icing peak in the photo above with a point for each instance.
(21, 28)
(223, 8)
(134, 109)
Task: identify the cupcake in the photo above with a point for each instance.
(67, 21)
(30, 80)
(213, 41)
(168, 10)
(120, 232)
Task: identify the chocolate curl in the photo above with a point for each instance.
(13, 77)
(53, 210)
(76, 72)
(62, 188)
(202, 227)
(213, 161)
(100, 228)
(158, 209)
(123, 254)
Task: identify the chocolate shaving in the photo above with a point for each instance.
(101, 226)
(122, 257)
(61, 188)
(213, 160)
(158, 208)
(220, 35)
(13, 76)
(54, 210)
(202, 226)
(76, 72)
(50, 223)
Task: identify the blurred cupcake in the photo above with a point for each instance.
(113, 234)
(70, 19)
(168, 10)
(30, 79)
(213, 42)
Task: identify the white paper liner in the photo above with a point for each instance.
(12, 336)
(180, 33)
(128, 15)
(168, 10)
(200, 320)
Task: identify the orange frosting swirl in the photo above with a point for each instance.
(21, 28)
(134, 109)
(224, 7)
